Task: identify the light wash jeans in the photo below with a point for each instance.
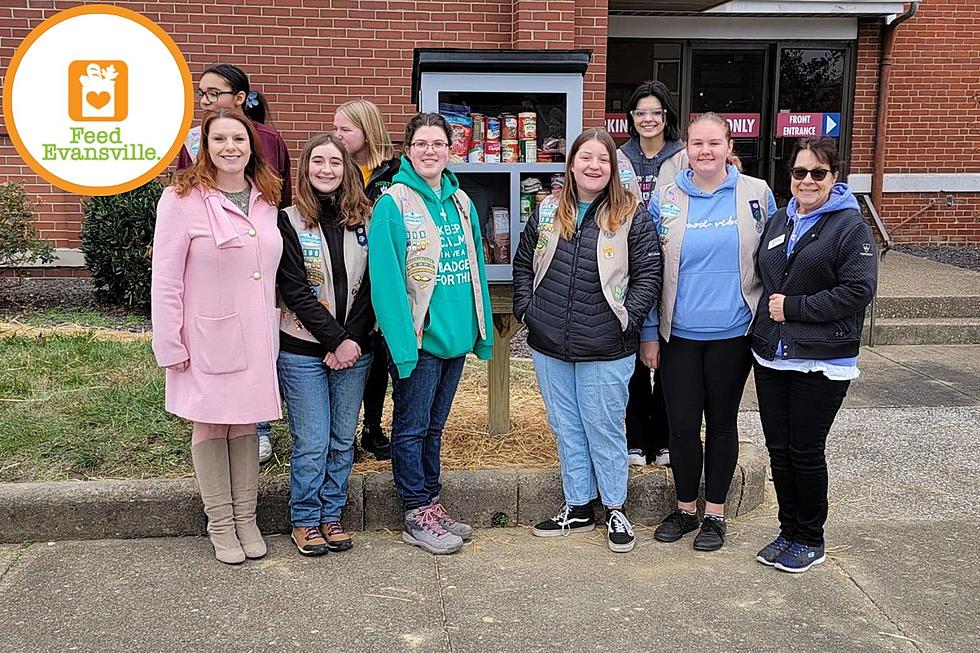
(586, 404)
(323, 407)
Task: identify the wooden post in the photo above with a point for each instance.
(498, 370)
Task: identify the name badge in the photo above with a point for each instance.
(777, 241)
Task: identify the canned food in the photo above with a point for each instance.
(491, 151)
(493, 128)
(476, 154)
(508, 127)
(510, 151)
(527, 129)
(529, 151)
(527, 207)
(479, 126)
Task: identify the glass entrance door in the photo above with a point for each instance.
(810, 101)
(732, 80)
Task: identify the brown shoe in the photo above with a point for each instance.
(337, 538)
(309, 541)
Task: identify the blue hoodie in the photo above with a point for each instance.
(709, 304)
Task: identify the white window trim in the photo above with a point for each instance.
(928, 182)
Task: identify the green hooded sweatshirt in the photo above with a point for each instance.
(451, 328)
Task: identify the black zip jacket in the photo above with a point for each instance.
(567, 317)
(298, 295)
(828, 281)
(380, 179)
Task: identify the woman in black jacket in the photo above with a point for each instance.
(324, 337)
(818, 264)
(586, 273)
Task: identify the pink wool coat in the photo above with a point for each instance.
(214, 305)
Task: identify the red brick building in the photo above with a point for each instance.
(757, 58)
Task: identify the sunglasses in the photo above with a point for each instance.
(818, 174)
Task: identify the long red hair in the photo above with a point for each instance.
(203, 173)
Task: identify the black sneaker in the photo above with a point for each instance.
(770, 553)
(375, 442)
(619, 532)
(570, 519)
(675, 526)
(712, 534)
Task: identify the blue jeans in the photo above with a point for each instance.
(323, 406)
(421, 406)
(586, 404)
(263, 429)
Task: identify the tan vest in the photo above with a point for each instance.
(425, 250)
(319, 271)
(627, 175)
(751, 201)
(670, 168)
(612, 255)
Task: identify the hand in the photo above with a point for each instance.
(345, 355)
(650, 354)
(178, 367)
(776, 307)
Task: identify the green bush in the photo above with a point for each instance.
(19, 240)
(116, 238)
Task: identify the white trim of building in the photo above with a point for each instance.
(964, 182)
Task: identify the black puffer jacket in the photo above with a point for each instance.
(380, 179)
(567, 317)
(828, 281)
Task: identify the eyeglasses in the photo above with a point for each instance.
(212, 94)
(818, 174)
(640, 114)
(422, 146)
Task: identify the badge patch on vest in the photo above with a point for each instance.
(310, 244)
(672, 196)
(670, 210)
(625, 173)
(421, 269)
(619, 293)
(413, 219)
(607, 252)
(542, 241)
(760, 222)
(361, 234)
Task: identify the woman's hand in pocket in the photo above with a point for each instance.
(178, 367)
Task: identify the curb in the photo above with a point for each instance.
(87, 510)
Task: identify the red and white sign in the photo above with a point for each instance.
(743, 125)
(792, 125)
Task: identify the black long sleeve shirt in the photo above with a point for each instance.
(299, 295)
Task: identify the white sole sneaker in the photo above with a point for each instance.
(818, 561)
(662, 459)
(621, 548)
(407, 538)
(568, 531)
(635, 460)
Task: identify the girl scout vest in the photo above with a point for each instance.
(612, 255)
(627, 175)
(319, 271)
(751, 201)
(425, 250)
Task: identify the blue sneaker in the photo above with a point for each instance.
(800, 557)
(771, 552)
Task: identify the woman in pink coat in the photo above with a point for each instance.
(216, 250)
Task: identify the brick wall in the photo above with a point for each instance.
(308, 56)
(933, 117)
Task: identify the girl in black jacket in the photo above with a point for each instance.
(586, 272)
(818, 265)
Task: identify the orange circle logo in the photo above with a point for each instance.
(98, 100)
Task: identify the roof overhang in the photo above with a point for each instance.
(828, 8)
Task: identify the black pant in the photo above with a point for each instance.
(377, 383)
(797, 410)
(646, 413)
(704, 378)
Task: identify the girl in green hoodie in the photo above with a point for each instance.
(430, 295)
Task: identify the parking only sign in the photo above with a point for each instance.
(790, 125)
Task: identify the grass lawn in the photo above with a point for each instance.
(81, 403)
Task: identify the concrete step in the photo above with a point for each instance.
(925, 331)
(928, 306)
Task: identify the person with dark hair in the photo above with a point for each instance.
(325, 337)
(359, 126)
(818, 266)
(224, 86)
(215, 323)
(709, 220)
(654, 151)
(429, 288)
(586, 273)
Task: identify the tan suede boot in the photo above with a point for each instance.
(243, 452)
(211, 467)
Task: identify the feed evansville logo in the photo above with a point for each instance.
(98, 100)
